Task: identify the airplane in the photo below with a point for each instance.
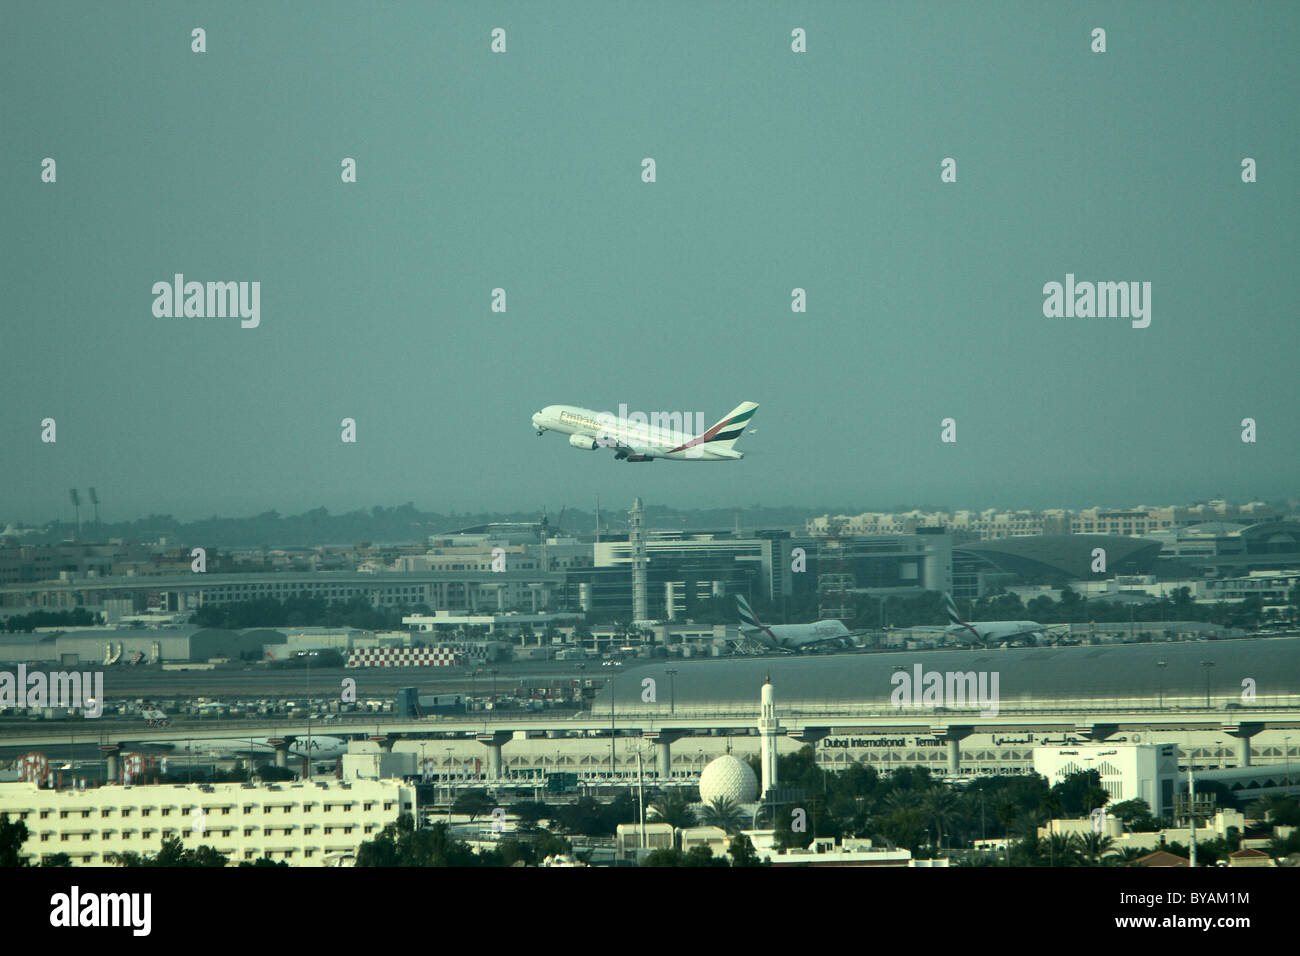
(632, 441)
(155, 717)
(322, 748)
(790, 637)
(991, 632)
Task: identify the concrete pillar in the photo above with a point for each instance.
(664, 760)
(663, 741)
(1243, 732)
(113, 771)
(281, 746)
(810, 735)
(494, 741)
(953, 736)
(385, 742)
(1096, 732)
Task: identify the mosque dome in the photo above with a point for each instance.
(730, 777)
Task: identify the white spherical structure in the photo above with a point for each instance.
(729, 777)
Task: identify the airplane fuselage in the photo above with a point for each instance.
(321, 748)
(989, 632)
(633, 439)
(793, 636)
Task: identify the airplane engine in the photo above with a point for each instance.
(583, 441)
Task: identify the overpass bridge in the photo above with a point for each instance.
(496, 731)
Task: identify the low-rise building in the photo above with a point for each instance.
(314, 823)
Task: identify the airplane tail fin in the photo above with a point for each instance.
(730, 427)
(748, 621)
(951, 608)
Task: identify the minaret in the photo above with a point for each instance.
(636, 537)
(768, 729)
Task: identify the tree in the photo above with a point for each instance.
(529, 813)
(1073, 791)
(263, 861)
(742, 851)
(664, 857)
(1276, 809)
(473, 802)
(904, 827)
(673, 808)
(702, 855)
(723, 812)
(940, 806)
(1094, 846)
(56, 859)
(173, 853)
(1126, 855)
(12, 838)
(1094, 797)
(1135, 814)
(1062, 850)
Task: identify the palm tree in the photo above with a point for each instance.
(1049, 806)
(940, 805)
(903, 827)
(673, 808)
(1062, 850)
(1094, 846)
(723, 812)
(902, 800)
(1261, 808)
(1124, 856)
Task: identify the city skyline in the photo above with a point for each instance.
(614, 514)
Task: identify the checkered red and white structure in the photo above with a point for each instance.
(405, 657)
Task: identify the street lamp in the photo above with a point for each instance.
(1207, 665)
(1286, 754)
(1162, 665)
(672, 690)
(494, 684)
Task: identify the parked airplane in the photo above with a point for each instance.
(645, 442)
(790, 637)
(321, 748)
(991, 632)
(155, 717)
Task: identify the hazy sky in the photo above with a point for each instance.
(522, 170)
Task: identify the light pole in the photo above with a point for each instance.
(451, 790)
(1162, 664)
(1207, 665)
(1286, 755)
(672, 690)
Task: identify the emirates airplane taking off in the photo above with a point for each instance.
(635, 440)
(790, 637)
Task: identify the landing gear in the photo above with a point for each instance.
(539, 432)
